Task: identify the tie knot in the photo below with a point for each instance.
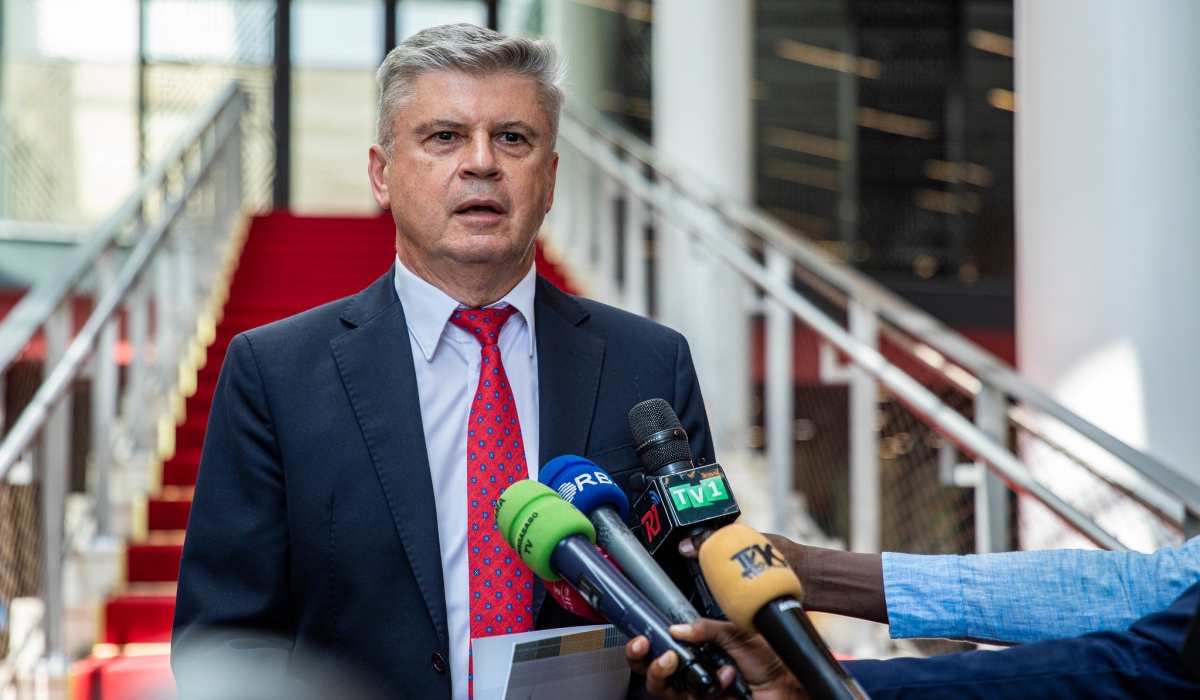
(483, 324)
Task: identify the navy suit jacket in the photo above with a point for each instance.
(313, 532)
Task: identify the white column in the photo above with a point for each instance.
(1108, 216)
(702, 62)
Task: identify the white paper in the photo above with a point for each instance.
(583, 663)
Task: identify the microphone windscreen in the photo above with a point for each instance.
(532, 519)
(744, 573)
(583, 484)
(656, 416)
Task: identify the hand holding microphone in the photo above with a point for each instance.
(760, 593)
(767, 677)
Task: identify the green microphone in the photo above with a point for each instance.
(557, 542)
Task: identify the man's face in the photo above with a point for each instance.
(471, 173)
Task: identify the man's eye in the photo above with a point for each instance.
(443, 136)
(510, 137)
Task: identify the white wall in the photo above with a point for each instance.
(1108, 215)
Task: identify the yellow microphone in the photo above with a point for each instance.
(760, 593)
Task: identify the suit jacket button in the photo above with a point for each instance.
(439, 662)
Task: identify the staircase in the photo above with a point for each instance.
(289, 264)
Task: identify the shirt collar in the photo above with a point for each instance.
(427, 309)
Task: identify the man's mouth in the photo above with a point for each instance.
(480, 207)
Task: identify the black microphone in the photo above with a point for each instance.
(761, 593)
(556, 541)
(586, 486)
(680, 500)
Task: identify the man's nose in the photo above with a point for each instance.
(480, 158)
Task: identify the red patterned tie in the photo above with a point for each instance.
(501, 586)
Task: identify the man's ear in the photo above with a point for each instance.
(553, 180)
(377, 169)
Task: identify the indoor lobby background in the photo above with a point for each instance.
(944, 250)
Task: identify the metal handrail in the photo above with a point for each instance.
(889, 306)
(920, 400)
(48, 295)
(36, 306)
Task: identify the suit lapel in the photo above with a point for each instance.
(376, 364)
(569, 361)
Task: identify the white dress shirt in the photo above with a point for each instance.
(447, 361)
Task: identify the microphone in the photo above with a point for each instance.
(571, 600)
(761, 593)
(556, 541)
(586, 486)
(680, 500)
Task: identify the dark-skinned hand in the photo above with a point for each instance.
(842, 583)
(768, 678)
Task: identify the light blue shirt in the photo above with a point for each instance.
(1018, 597)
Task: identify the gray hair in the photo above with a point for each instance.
(472, 50)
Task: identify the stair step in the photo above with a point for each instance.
(125, 677)
(180, 473)
(166, 514)
(148, 563)
(139, 619)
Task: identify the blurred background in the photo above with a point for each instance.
(935, 259)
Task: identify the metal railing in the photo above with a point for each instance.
(155, 275)
(947, 395)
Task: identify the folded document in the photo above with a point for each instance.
(582, 663)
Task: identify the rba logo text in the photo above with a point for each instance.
(568, 489)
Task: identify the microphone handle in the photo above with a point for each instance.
(614, 597)
(712, 608)
(792, 635)
(636, 563)
(644, 572)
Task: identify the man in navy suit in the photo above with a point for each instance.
(353, 453)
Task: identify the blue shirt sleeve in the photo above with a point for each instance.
(1019, 597)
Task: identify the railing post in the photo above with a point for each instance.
(165, 340)
(137, 387)
(54, 469)
(865, 519)
(607, 230)
(584, 219)
(233, 177)
(779, 393)
(991, 495)
(104, 399)
(185, 280)
(636, 216)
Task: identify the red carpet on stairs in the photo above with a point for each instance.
(289, 264)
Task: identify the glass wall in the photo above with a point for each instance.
(90, 90)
